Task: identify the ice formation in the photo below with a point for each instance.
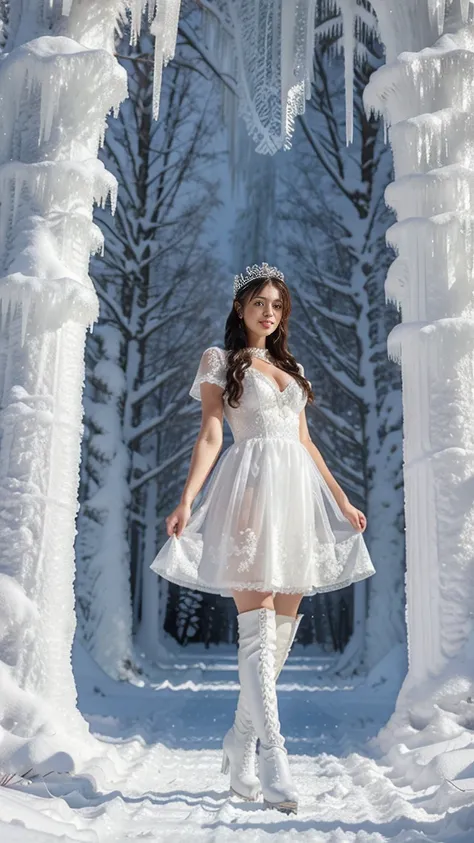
(52, 129)
(59, 79)
(426, 98)
(268, 49)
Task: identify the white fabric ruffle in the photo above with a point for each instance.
(268, 522)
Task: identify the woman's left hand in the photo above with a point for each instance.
(355, 516)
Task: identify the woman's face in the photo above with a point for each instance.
(263, 313)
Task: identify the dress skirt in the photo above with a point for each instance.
(267, 522)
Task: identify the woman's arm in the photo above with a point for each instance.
(208, 443)
(315, 453)
(355, 516)
(205, 452)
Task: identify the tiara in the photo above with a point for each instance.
(254, 272)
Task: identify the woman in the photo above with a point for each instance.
(274, 524)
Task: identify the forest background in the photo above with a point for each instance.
(201, 205)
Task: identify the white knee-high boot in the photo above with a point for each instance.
(240, 742)
(257, 647)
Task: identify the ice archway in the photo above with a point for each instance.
(47, 300)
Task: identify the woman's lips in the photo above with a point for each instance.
(266, 324)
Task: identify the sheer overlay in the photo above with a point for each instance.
(268, 521)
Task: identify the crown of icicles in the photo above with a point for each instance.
(256, 271)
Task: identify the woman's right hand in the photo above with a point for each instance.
(176, 522)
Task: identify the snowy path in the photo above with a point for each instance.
(168, 736)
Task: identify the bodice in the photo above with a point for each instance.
(264, 410)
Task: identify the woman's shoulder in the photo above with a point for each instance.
(213, 359)
(214, 352)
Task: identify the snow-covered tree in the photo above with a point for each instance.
(103, 600)
(255, 235)
(155, 283)
(335, 220)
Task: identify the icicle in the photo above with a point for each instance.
(113, 197)
(245, 36)
(348, 21)
(437, 10)
(50, 94)
(66, 8)
(136, 7)
(158, 30)
(17, 188)
(151, 10)
(394, 346)
(4, 304)
(465, 9)
(171, 33)
(25, 309)
(165, 29)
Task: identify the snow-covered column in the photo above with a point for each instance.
(49, 180)
(58, 81)
(427, 98)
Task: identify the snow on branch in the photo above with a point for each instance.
(149, 387)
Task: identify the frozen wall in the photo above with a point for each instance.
(426, 98)
(58, 80)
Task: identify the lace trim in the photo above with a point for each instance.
(243, 721)
(329, 569)
(247, 548)
(226, 591)
(329, 558)
(266, 667)
(247, 766)
(212, 369)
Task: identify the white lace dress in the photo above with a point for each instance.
(268, 520)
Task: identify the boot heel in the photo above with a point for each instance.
(225, 763)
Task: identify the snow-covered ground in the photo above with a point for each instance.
(168, 785)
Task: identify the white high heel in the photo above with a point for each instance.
(257, 646)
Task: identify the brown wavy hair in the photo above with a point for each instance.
(235, 342)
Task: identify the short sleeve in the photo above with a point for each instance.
(212, 369)
(301, 369)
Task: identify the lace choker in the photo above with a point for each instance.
(263, 353)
